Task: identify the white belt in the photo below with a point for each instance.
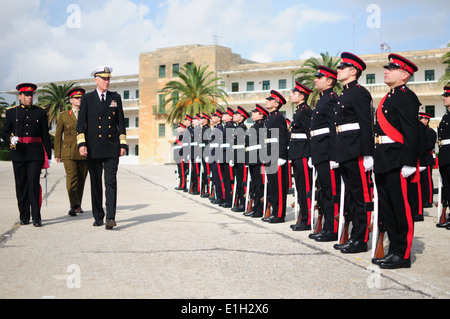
(214, 145)
(194, 144)
(225, 145)
(300, 136)
(185, 144)
(347, 127)
(253, 148)
(177, 147)
(236, 147)
(444, 142)
(202, 145)
(383, 139)
(320, 131)
(271, 140)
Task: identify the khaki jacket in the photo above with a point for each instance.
(66, 137)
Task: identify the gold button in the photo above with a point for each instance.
(99, 136)
(99, 126)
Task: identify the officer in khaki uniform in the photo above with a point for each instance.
(66, 150)
(101, 137)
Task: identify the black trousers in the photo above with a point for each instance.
(396, 213)
(277, 187)
(96, 167)
(444, 170)
(256, 188)
(28, 189)
(330, 182)
(303, 184)
(227, 178)
(426, 185)
(358, 197)
(219, 187)
(182, 167)
(239, 173)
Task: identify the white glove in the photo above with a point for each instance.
(407, 171)
(198, 160)
(310, 163)
(14, 140)
(281, 162)
(334, 165)
(188, 157)
(207, 159)
(422, 168)
(231, 163)
(368, 163)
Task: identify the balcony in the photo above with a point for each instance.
(130, 105)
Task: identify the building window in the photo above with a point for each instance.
(250, 86)
(162, 71)
(370, 79)
(137, 94)
(266, 85)
(127, 122)
(175, 69)
(161, 106)
(174, 130)
(429, 75)
(162, 130)
(235, 87)
(282, 84)
(136, 150)
(126, 95)
(430, 109)
(137, 121)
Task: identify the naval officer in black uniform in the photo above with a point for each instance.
(444, 155)
(396, 160)
(101, 137)
(26, 127)
(354, 149)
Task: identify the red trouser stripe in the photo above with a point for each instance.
(336, 205)
(308, 187)
(221, 180)
(366, 191)
(410, 234)
(280, 193)
(183, 178)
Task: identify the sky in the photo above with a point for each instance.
(56, 40)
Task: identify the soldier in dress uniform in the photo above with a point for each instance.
(196, 154)
(187, 138)
(323, 155)
(239, 168)
(277, 181)
(26, 127)
(354, 147)
(178, 156)
(206, 135)
(444, 156)
(214, 144)
(101, 138)
(227, 156)
(396, 160)
(253, 145)
(427, 160)
(299, 153)
(66, 150)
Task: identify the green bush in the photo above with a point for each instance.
(4, 155)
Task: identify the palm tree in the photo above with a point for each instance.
(3, 106)
(55, 99)
(309, 68)
(195, 93)
(445, 79)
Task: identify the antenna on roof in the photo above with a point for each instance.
(216, 37)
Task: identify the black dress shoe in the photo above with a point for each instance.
(395, 262)
(98, 223)
(354, 248)
(315, 235)
(72, 212)
(37, 223)
(247, 213)
(327, 236)
(340, 246)
(256, 215)
(238, 209)
(225, 205)
(378, 261)
(300, 227)
(275, 220)
(195, 193)
(110, 224)
(24, 222)
(444, 224)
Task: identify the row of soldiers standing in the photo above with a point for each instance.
(342, 154)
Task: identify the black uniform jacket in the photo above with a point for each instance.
(215, 140)
(276, 120)
(253, 140)
(444, 134)
(323, 117)
(227, 132)
(101, 128)
(239, 143)
(427, 146)
(401, 109)
(300, 148)
(21, 121)
(354, 106)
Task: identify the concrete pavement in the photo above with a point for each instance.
(172, 245)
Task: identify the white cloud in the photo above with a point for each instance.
(308, 54)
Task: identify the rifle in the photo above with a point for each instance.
(247, 193)
(377, 235)
(313, 200)
(341, 219)
(266, 206)
(441, 210)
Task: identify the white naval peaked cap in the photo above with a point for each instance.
(103, 71)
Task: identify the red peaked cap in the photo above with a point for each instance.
(324, 71)
(76, 92)
(446, 91)
(230, 111)
(397, 61)
(261, 110)
(243, 112)
(274, 95)
(301, 88)
(349, 59)
(425, 115)
(206, 116)
(26, 87)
